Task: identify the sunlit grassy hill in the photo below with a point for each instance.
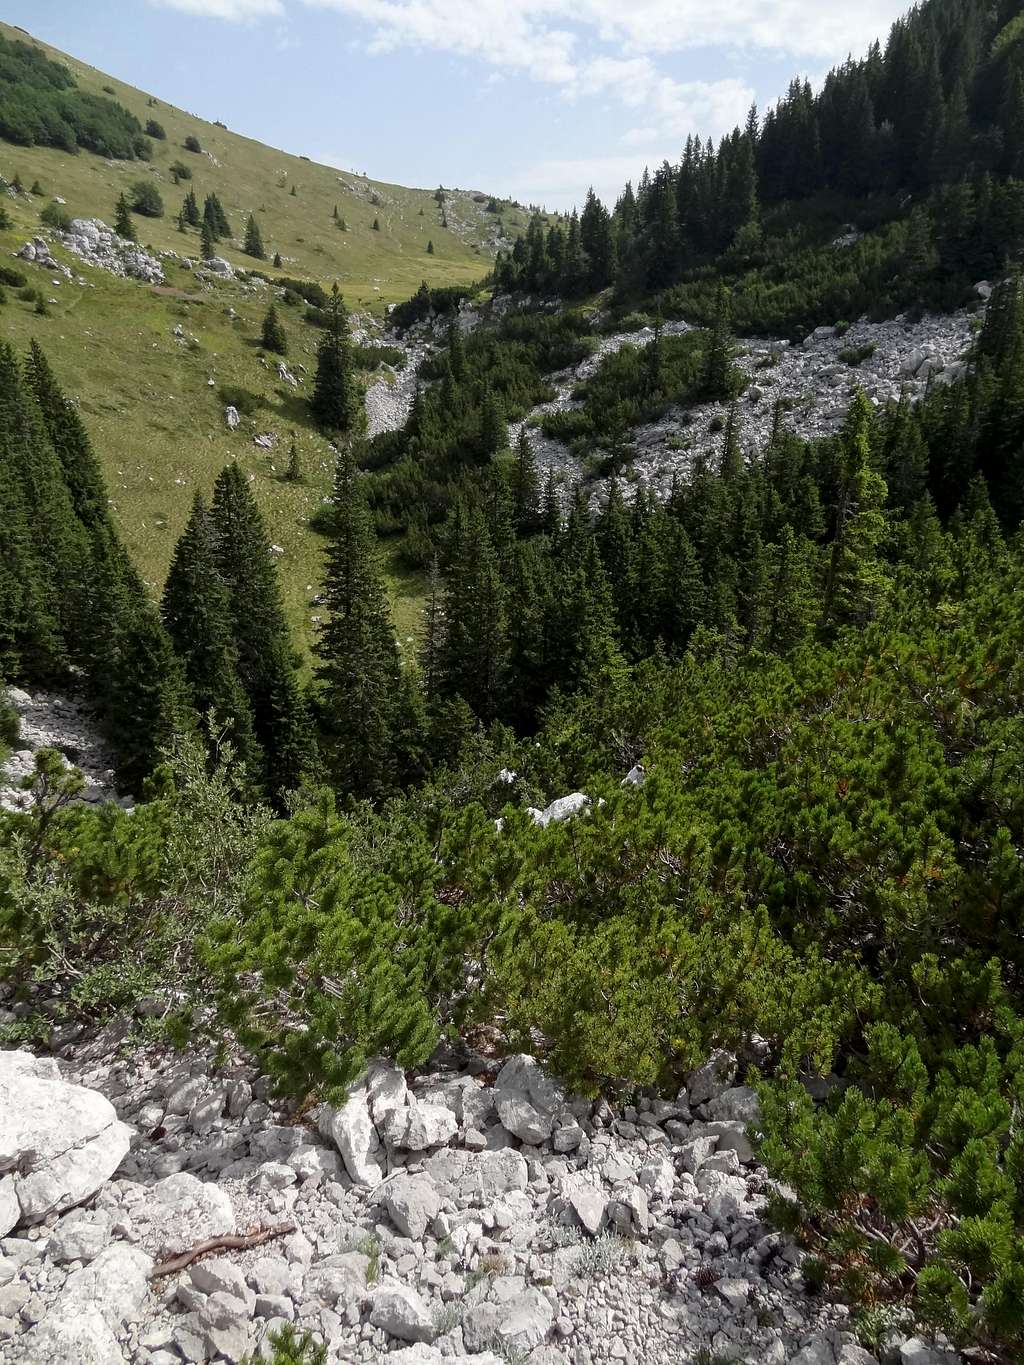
(146, 394)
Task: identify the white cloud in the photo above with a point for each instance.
(237, 11)
(520, 31)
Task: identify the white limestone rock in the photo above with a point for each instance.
(60, 1142)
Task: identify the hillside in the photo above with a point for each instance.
(156, 420)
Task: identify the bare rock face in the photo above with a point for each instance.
(59, 1142)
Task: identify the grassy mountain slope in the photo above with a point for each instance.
(156, 421)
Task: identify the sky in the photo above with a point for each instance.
(536, 100)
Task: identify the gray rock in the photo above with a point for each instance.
(218, 1276)
(10, 1209)
(412, 1203)
(732, 1137)
(227, 1332)
(709, 1081)
(60, 1141)
(740, 1104)
(401, 1312)
(231, 416)
(562, 809)
(180, 1210)
(339, 1279)
(590, 1207)
(79, 1237)
(114, 1284)
(85, 1339)
(918, 1352)
(420, 1126)
(524, 1121)
(352, 1131)
(273, 1277)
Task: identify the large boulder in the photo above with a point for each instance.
(84, 1339)
(59, 1143)
(527, 1100)
(402, 1313)
(412, 1202)
(352, 1131)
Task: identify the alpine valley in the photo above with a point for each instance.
(512, 738)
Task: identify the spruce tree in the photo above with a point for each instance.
(525, 487)
(857, 581)
(147, 705)
(265, 661)
(207, 242)
(123, 225)
(196, 612)
(273, 335)
(334, 400)
(254, 240)
(718, 375)
(57, 626)
(277, 260)
(475, 650)
(190, 210)
(358, 674)
(294, 471)
(493, 427)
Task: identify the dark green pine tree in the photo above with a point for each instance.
(254, 240)
(294, 471)
(123, 225)
(277, 260)
(475, 650)
(358, 676)
(857, 580)
(718, 372)
(266, 663)
(551, 507)
(213, 213)
(525, 488)
(334, 399)
(207, 242)
(58, 577)
(273, 335)
(196, 612)
(190, 210)
(114, 586)
(148, 705)
(493, 427)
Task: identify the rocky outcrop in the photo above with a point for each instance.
(99, 245)
(50, 721)
(816, 381)
(59, 1143)
(582, 1234)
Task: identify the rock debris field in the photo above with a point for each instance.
(815, 382)
(817, 385)
(50, 721)
(475, 1213)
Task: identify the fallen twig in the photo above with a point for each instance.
(235, 1243)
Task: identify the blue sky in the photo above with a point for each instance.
(536, 99)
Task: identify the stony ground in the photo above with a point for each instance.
(476, 1212)
(815, 383)
(52, 721)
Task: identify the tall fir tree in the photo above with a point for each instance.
(123, 225)
(334, 399)
(254, 240)
(273, 334)
(266, 664)
(358, 674)
(196, 612)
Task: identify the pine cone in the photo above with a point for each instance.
(705, 1277)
